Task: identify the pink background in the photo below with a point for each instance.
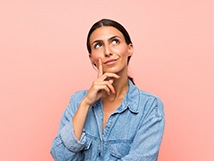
(43, 60)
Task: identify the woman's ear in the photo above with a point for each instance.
(90, 58)
(92, 62)
(130, 49)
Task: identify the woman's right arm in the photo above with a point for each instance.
(71, 138)
(65, 146)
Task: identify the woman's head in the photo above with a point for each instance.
(109, 37)
(112, 23)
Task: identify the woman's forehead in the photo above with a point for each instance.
(104, 33)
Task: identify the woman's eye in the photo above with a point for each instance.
(96, 46)
(115, 41)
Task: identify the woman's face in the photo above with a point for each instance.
(108, 44)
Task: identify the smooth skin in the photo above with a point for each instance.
(110, 55)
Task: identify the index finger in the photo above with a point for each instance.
(100, 70)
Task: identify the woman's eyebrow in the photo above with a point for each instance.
(96, 41)
(113, 37)
(109, 39)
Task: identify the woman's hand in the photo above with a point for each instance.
(101, 85)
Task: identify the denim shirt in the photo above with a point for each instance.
(133, 131)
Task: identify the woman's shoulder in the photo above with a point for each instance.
(75, 99)
(143, 93)
(149, 95)
(151, 101)
(136, 91)
(79, 94)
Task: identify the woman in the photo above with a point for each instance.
(113, 120)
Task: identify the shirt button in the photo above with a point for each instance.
(99, 154)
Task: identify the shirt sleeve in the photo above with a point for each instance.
(65, 146)
(146, 144)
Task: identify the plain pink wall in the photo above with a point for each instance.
(43, 60)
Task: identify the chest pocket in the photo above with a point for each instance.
(119, 150)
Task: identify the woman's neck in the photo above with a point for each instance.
(121, 87)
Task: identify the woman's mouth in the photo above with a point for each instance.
(110, 61)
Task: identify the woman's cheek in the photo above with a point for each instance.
(123, 49)
(95, 59)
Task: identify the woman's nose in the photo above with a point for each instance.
(107, 51)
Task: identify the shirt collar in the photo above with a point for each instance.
(131, 100)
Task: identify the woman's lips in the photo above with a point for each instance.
(109, 62)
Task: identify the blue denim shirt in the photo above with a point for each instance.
(132, 133)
